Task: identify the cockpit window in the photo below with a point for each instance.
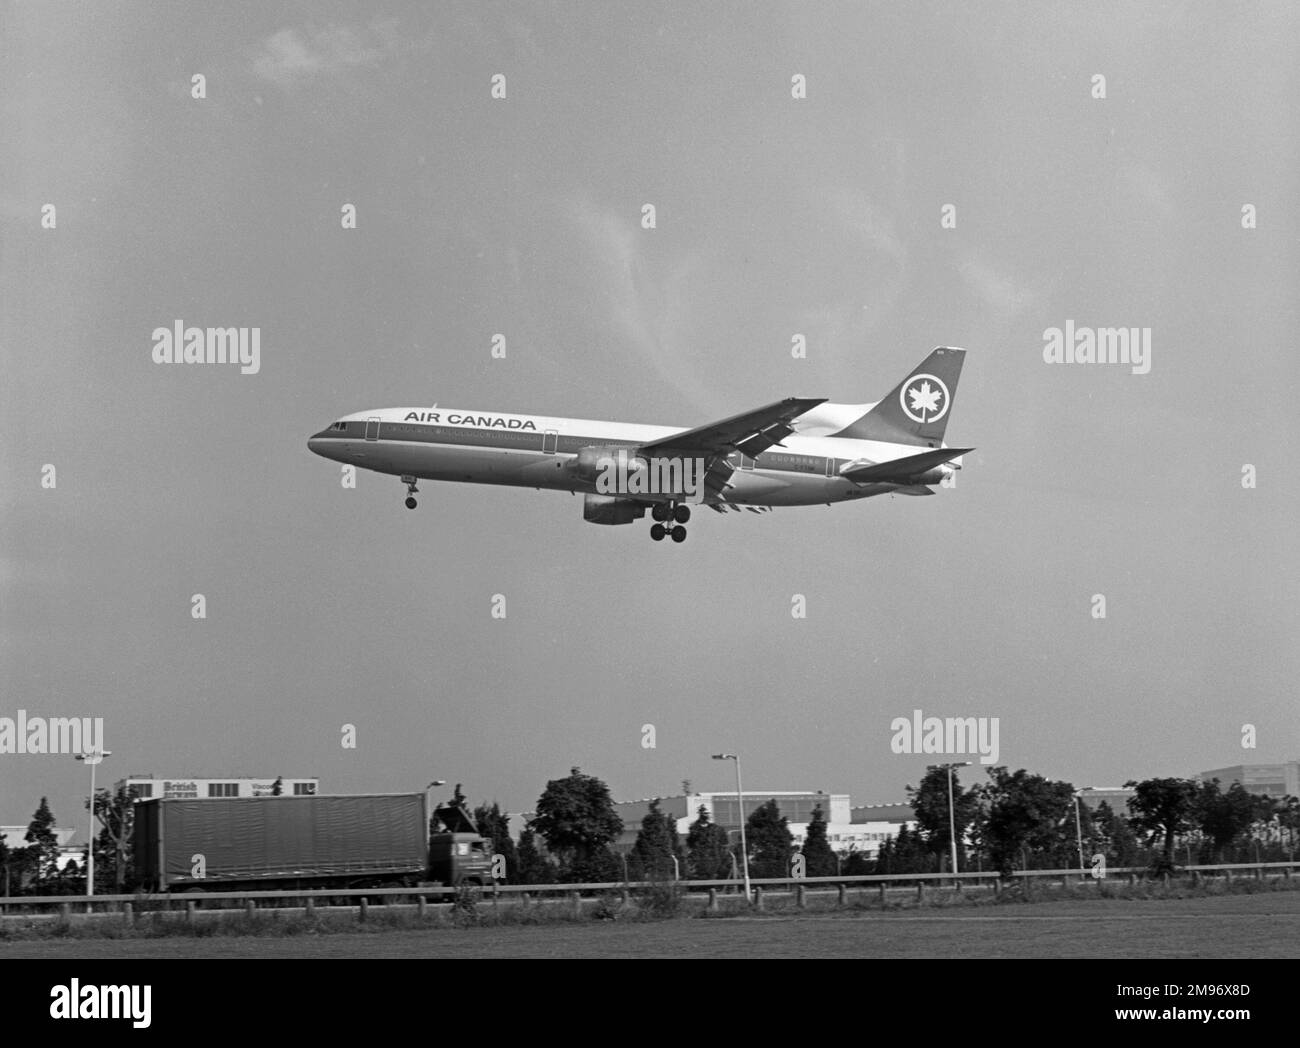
(339, 425)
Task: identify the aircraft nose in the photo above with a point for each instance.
(316, 442)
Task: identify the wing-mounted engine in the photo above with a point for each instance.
(597, 459)
(609, 509)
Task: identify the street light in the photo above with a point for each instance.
(952, 822)
(1078, 829)
(428, 800)
(92, 757)
(740, 803)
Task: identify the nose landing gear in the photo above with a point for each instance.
(412, 491)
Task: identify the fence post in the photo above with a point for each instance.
(249, 907)
(128, 913)
(920, 891)
(190, 907)
(997, 887)
(758, 897)
(65, 910)
(844, 895)
(363, 909)
(577, 903)
(713, 900)
(310, 906)
(883, 887)
(422, 905)
(799, 900)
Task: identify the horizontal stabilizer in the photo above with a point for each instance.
(863, 472)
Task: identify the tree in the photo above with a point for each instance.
(769, 840)
(1224, 816)
(1288, 818)
(904, 852)
(494, 824)
(819, 860)
(577, 819)
(857, 864)
(929, 801)
(113, 844)
(1163, 806)
(656, 846)
(710, 851)
(534, 868)
(1026, 814)
(42, 853)
(1117, 840)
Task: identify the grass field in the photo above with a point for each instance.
(1252, 925)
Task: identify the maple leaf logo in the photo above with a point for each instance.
(925, 399)
(928, 399)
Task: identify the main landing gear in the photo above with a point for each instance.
(412, 491)
(664, 512)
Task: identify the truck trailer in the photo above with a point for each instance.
(305, 842)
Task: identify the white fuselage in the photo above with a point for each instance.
(489, 447)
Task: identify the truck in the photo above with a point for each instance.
(302, 842)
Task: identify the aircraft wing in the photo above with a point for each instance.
(751, 433)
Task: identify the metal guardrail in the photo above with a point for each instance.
(179, 900)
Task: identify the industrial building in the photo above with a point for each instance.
(845, 830)
(146, 786)
(1266, 780)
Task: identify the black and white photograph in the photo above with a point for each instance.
(495, 482)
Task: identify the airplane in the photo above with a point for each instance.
(795, 452)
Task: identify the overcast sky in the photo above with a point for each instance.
(775, 216)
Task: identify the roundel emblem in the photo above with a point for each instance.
(924, 399)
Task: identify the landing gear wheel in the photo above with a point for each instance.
(411, 491)
(660, 511)
(657, 532)
(681, 514)
(679, 534)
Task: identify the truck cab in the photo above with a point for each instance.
(459, 854)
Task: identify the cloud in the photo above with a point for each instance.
(1001, 294)
(291, 56)
(649, 312)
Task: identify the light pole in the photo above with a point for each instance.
(1078, 827)
(952, 821)
(92, 757)
(740, 803)
(428, 798)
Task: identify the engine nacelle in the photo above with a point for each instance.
(931, 476)
(595, 460)
(609, 509)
